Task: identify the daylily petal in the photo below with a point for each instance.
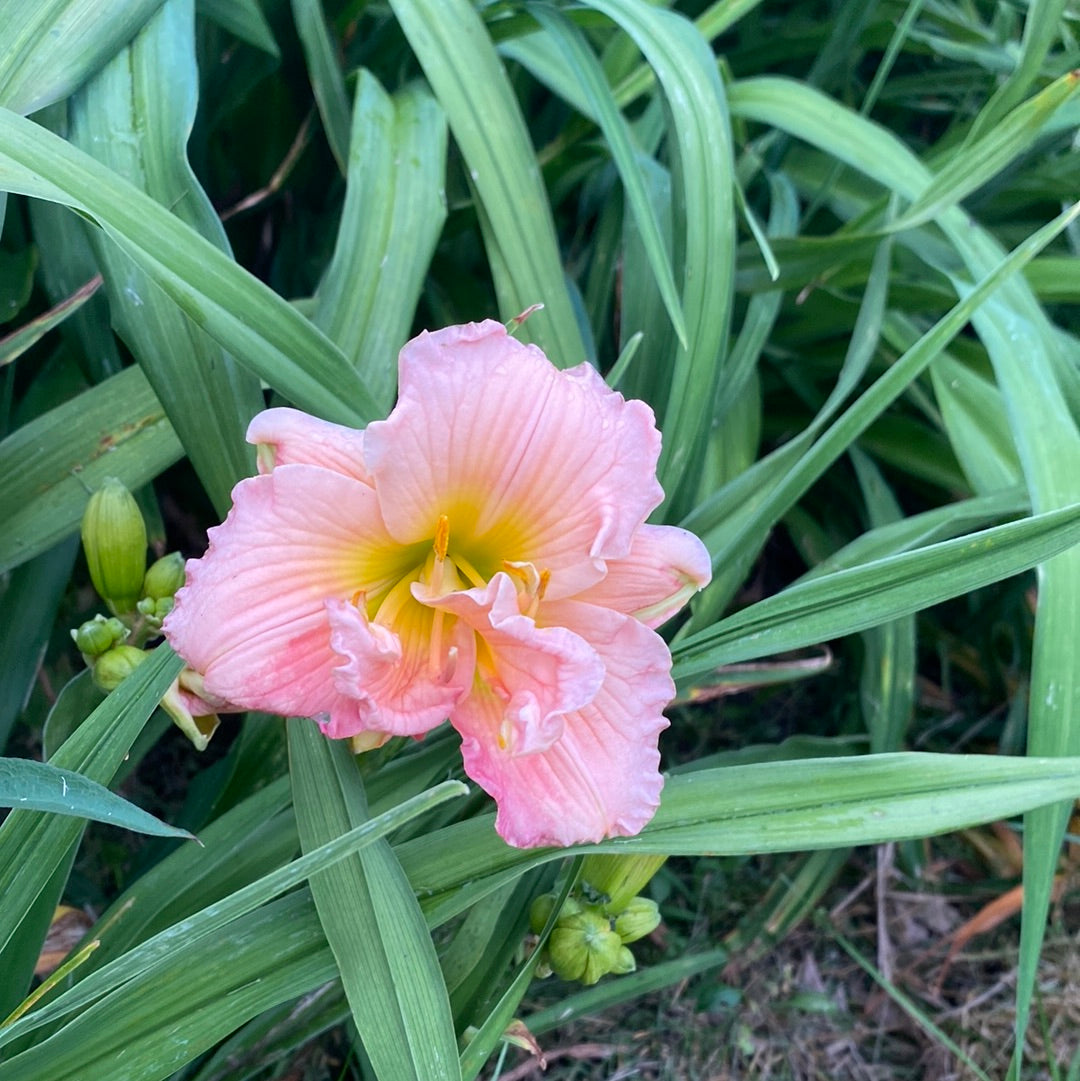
(534, 674)
(252, 617)
(391, 674)
(291, 437)
(528, 463)
(601, 777)
(191, 715)
(665, 568)
(481, 554)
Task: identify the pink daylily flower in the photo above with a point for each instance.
(480, 556)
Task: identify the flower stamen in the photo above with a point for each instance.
(439, 547)
(450, 666)
(436, 664)
(531, 585)
(442, 537)
(469, 571)
(395, 601)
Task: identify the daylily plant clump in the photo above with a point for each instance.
(481, 555)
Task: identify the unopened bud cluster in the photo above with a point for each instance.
(98, 635)
(595, 926)
(139, 597)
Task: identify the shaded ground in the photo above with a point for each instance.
(806, 1010)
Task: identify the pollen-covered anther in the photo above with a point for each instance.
(436, 562)
(442, 537)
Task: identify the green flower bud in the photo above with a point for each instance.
(153, 612)
(640, 918)
(541, 909)
(625, 963)
(98, 635)
(164, 577)
(114, 540)
(619, 878)
(583, 947)
(112, 668)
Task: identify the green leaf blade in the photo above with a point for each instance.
(325, 74)
(384, 952)
(393, 214)
(594, 87)
(457, 55)
(32, 843)
(52, 463)
(852, 600)
(41, 786)
(260, 329)
(134, 116)
(704, 202)
(54, 45)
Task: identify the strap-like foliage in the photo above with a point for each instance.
(819, 241)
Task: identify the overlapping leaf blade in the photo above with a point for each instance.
(781, 806)
(199, 931)
(704, 221)
(244, 18)
(262, 331)
(52, 46)
(393, 213)
(199, 994)
(134, 116)
(32, 842)
(583, 64)
(468, 79)
(382, 947)
(51, 464)
(1022, 347)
